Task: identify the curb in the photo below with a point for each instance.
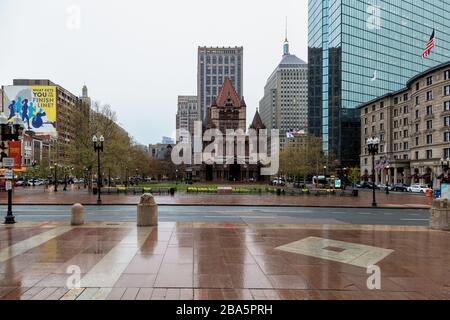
(231, 205)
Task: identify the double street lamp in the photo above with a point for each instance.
(55, 181)
(373, 144)
(10, 132)
(98, 147)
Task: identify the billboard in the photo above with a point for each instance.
(36, 105)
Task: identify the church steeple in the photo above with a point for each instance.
(286, 42)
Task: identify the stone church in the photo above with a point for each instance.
(228, 111)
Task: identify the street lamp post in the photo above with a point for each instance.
(98, 147)
(55, 182)
(109, 177)
(10, 132)
(373, 144)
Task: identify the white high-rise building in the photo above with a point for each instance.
(285, 102)
(187, 114)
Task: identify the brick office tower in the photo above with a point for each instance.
(213, 67)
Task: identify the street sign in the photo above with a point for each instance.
(9, 174)
(8, 185)
(8, 162)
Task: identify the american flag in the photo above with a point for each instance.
(430, 45)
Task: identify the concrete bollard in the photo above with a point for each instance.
(147, 211)
(77, 215)
(440, 215)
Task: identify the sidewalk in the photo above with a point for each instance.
(221, 261)
(39, 195)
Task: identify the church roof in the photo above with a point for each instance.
(227, 94)
(257, 122)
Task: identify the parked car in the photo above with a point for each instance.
(278, 182)
(299, 185)
(368, 185)
(20, 183)
(417, 188)
(399, 187)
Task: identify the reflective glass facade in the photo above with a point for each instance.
(360, 50)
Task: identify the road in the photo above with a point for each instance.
(234, 214)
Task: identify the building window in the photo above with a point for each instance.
(395, 147)
(405, 122)
(429, 110)
(446, 136)
(429, 124)
(381, 126)
(446, 153)
(373, 129)
(447, 91)
(429, 154)
(381, 104)
(429, 139)
(365, 131)
(405, 97)
(366, 110)
(405, 134)
(405, 109)
(417, 86)
(395, 113)
(373, 118)
(446, 121)
(365, 120)
(381, 137)
(446, 106)
(417, 114)
(405, 145)
(381, 116)
(417, 127)
(417, 101)
(396, 124)
(447, 75)
(429, 80)
(365, 161)
(382, 148)
(395, 100)
(416, 155)
(430, 95)
(395, 135)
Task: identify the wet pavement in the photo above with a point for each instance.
(39, 195)
(230, 214)
(189, 260)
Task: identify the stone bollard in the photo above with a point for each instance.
(77, 218)
(440, 215)
(147, 211)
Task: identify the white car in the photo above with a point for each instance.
(278, 182)
(417, 188)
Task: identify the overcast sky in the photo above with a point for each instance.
(137, 55)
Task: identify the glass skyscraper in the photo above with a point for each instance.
(360, 50)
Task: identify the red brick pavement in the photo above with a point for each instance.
(215, 261)
(39, 195)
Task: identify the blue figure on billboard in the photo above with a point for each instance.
(37, 119)
(18, 104)
(12, 109)
(25, 113)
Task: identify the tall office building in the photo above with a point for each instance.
(285, 102)
(360, 50)
(187, 114)
(214, 65)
